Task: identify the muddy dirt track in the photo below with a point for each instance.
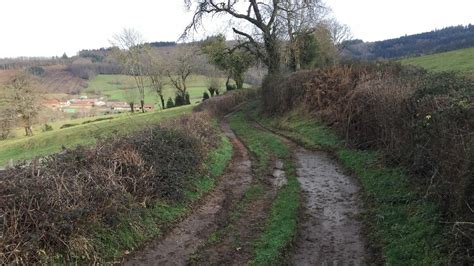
(176, 247)
(329, 232)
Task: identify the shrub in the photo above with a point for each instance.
(46, 127)
(169, 103)
(68, 125)
(212, 91)
(187, 98)
(7, 120)
(53, 203)
(179, 100)
(214, 86)
(97, 120)
(205, 96)
(36, 70)
(231, 87)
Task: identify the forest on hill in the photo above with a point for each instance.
(435, 41)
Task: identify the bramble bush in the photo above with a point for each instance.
(49, 205)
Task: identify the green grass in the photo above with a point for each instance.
(217, 162)
(459, 60)
(19, 133)
(142, 224)
(84, 134)
(406, 225)
(261, 144)
(113, 87)
(281, 226)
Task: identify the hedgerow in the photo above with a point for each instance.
(50, 207)
(422, 121)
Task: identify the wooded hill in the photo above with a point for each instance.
(436, 41)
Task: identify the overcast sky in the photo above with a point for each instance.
(51, 27)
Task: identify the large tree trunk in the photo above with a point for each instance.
(132, 108)
(273, 54)
(239, 81)
(142, 104)
(297, 57)
(162, 101)
(27, 125)
(28, 131)
(185, 98)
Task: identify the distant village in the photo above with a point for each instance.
(85, 105)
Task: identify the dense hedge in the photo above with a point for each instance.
(420, 120)
(48, 206)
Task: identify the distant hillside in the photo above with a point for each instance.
(53, 79)
(459, 60)
(98, 55)
(437, 41)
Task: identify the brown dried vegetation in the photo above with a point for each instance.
(47, 206)
(422, 121)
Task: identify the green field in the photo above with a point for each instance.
(114, 86)
(24, 148)
(458, 60)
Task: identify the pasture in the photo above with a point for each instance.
(459, 60)
(113, 87)
(45, 143)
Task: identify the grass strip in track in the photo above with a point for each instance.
(281, 226)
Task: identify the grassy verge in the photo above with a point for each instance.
(83, 134)
(111, 244)
(404, 224)
(281, 225)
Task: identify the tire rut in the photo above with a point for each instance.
(329, 233)
(180, 243)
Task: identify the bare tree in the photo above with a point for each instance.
(260, 17)
(130, 96)
(180, 68)
(130, 51)
(7, 120)
(235, 61)
(339, 33)
(25, 100)
(156, 72)
(262, 24)
(300, 18)
(215, 84)
(327, 50)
